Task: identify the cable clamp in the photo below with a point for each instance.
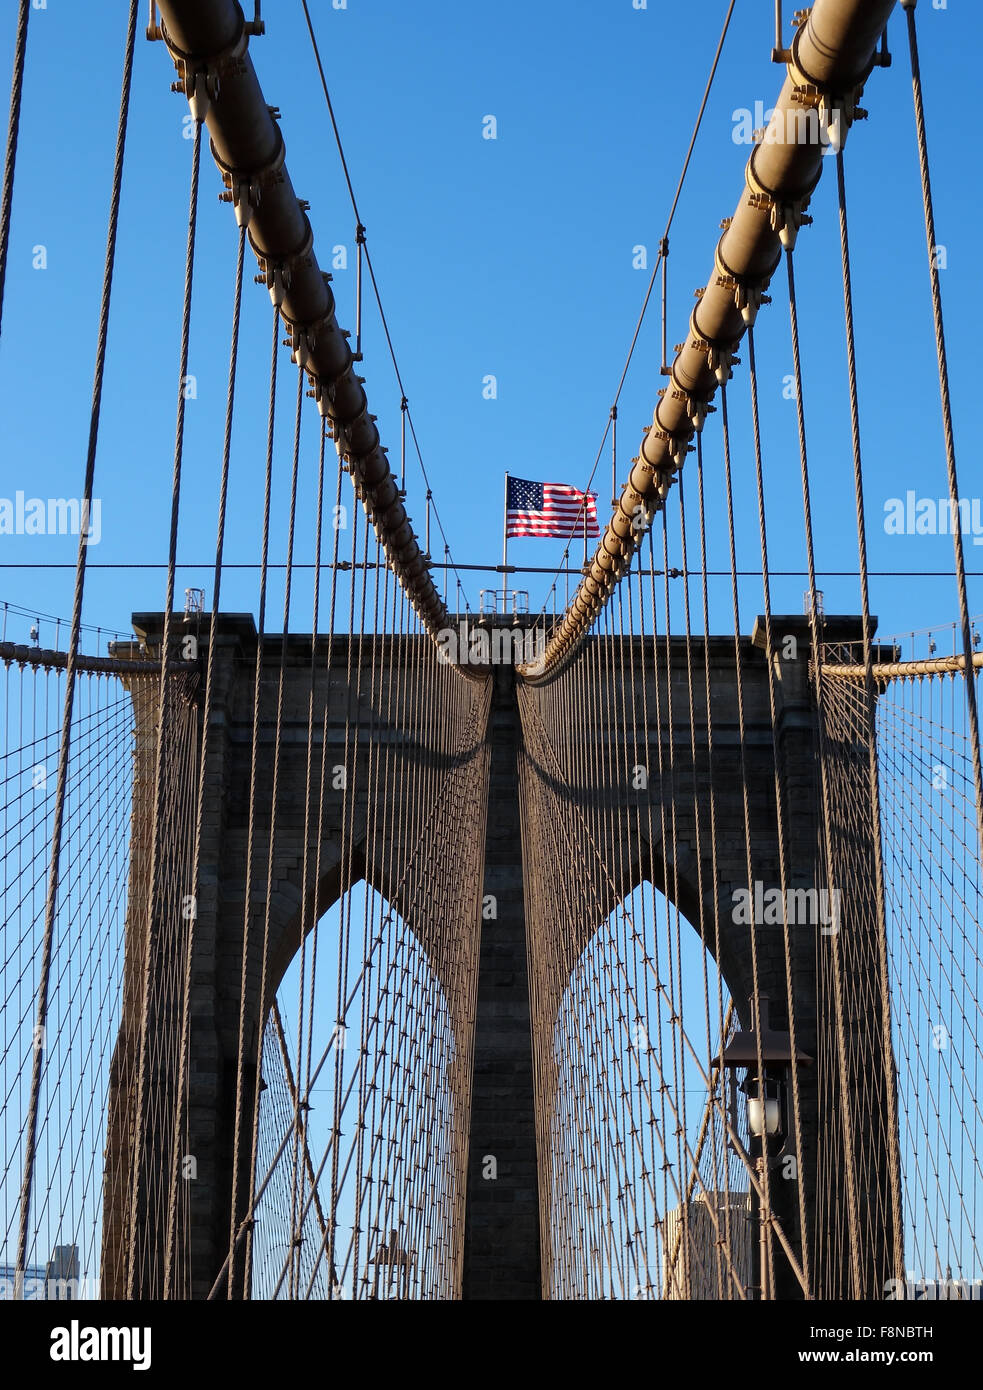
(277, 272)
(303, 340)
(786, 206)
(749, 293)
(244, 187)
(201, 80)
(786, 216)
(837, 109)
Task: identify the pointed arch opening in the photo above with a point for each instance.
(362, 1131)
(642, 1195)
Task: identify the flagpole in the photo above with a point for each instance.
(505, 543)
(585, 530)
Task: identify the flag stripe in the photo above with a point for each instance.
(549, 509)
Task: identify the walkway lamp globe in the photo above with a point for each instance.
(766, 1058)
(765, 1105)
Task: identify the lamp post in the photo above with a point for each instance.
(766, 1104)
(765, 1056)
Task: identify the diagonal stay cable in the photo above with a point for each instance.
(371, 269)
(66, 730)
(13, 128)
(663, 248)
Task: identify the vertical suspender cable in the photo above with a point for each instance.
(846, 1110)
(664, 256)
(238, 1232)
(17, 87)
(614, 456)
(163, 713)
(308, 890)
(765, 1215)
(870, 694)
(781, 807)
(274, 806)
(205, 744)
(359, 244)
(950, 446)
(66, 727)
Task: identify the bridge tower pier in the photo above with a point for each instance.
(504, 1253)
(844, 1101)
(361, 837)
(502, 1241)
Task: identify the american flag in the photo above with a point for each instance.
(548, 509)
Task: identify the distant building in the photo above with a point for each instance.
(62, 1274)
(56, 1281)
(706, 1273)
(34, 1282)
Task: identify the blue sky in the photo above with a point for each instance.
(510, 257)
